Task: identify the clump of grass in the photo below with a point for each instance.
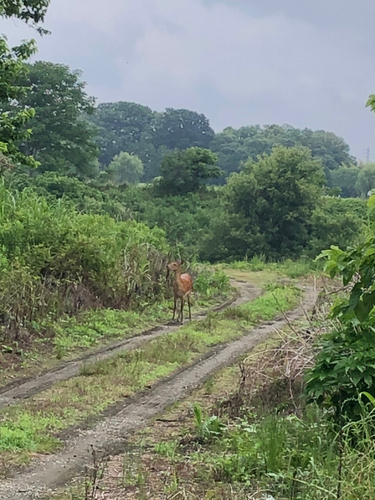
(209, 283)
(296, 269)
(256, 263)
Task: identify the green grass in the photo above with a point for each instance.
(287, 267)
(97, 326)
(288, 457)
(33, 425)
(276, 297)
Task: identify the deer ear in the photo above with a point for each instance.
(181, 261)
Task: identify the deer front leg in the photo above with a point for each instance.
(182, 310)
(189, 304)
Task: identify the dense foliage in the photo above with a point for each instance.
(345, 364)
(27, 10)
(185, 171)
(55, 260)
(344, 373)
(235, 147)
(61, 140)
(137, 130)
(268, 207)
(12, 124)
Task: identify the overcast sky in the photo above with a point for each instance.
(308, 63)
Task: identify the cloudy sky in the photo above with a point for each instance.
(308, 63)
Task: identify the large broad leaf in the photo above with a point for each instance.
(364, 306)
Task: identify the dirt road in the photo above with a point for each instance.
(10, 395)
(109, 435)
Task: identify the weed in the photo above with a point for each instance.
(167, 449)
(208, 284)
(207, 428)
(256, 263)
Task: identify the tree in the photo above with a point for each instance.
(345, 177)
(268, 206)
(26, 10)
(136, 129)
(185, 171)
(12, 125)
(181, 129)
(123, 127)
(62, 141)
(126, 168)
(344, 369)
(366, 179)
(344, 366)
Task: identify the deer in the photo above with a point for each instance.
(182, 288)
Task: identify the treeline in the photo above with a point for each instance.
(275, 206)
(127, 142)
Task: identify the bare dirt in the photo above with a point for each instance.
(109, 436)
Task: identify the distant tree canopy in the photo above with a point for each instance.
(365, 180)
(186, 171)
(61, 140)
(182, 129)
(345, 177)
(126, 168)
(136, 129)
(122, 126)
(236, 146)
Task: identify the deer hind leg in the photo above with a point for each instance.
(182, 310)
(189, 304)
(174, 307)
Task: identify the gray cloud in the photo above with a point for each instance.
(238, 62)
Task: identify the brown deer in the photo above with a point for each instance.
(182, 288)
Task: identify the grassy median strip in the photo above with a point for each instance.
(34, 426)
